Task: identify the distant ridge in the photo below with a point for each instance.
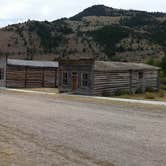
(99, 32)
(101, 10)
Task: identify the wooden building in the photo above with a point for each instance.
(27, 74)
(83, 76)
(3, 63)
(89, 77)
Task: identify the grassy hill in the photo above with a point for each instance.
(99, 31)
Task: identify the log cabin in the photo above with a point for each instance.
(27, 74)
(103, 78)
(81, 76)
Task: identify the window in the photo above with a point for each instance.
(84, 79)
(140, 75)
(1, 74)
(65, 78)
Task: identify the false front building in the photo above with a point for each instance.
(90, 77)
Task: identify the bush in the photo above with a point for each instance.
(161, 93)
(163, 87)
(163, 65)
(120, 92)
(139, 90)
(149, 95)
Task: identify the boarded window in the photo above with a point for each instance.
(65, 78)
(85, 79)
(1, 74)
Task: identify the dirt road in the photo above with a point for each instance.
(43, 131)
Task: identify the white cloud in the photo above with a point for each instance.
(13, 11)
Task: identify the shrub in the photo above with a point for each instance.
(163, 87)
(149, 95)
(161, 93)
(138, 91)
(120, 92)
(163, 65)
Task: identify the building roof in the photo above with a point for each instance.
(16, 62)
(117, 66)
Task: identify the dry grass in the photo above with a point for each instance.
(76, 98)
(157, 96)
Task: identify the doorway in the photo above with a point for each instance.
(74, 81)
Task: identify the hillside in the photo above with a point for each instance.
(99, 31)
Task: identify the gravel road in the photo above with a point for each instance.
(37, 130)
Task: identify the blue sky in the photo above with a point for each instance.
(14, 11)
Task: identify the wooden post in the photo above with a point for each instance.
(26, 69)
(43, 79)
(56, 78)
(131, 82)
(158, 80)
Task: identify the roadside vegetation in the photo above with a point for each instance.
(162, 64)
(150, 94)
(156, 95)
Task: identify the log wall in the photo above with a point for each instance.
(31, 77)
(107, 83)
(110, 83)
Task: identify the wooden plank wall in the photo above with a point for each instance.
(50, 78)
(79, 67)
(30, 77)
(15, 77)
(34, 78)
(111, 82)
(3, 61)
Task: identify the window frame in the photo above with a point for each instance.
(2, 76)
(65, 81)
(140, 75)
(84, 80)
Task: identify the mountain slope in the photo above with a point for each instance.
(101, 10)
(99, 31)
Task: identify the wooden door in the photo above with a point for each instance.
(74, 81)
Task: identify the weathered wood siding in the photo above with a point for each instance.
(50, 78)
(34, 78)
(107, 83)
(3, 62)
(31, 77)
(78, 67)
(15, 77)
(152, 79)
(110, 83)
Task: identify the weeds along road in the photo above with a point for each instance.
(38, 130)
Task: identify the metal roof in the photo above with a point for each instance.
(117, 66)
(16, 62)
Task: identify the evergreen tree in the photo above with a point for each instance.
(163, 64)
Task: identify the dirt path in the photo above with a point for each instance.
(39, 130)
